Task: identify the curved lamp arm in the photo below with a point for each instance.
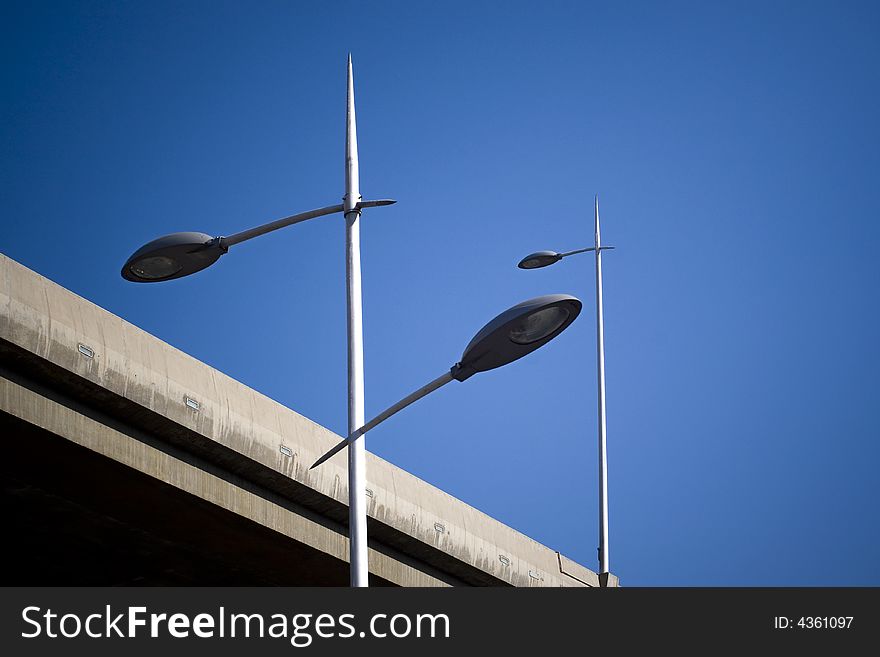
(295, 219)
(439, 382)
(589, 248)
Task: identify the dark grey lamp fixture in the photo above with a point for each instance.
(540, 259)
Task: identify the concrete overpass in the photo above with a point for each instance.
(126, 461)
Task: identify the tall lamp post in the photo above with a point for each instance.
(181, 254)
(511, 335)
(357, 478)
(544, 259)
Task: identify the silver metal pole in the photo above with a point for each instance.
(357, 483)
(603, 459)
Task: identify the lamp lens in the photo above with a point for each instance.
(538, 325)
(156, 267)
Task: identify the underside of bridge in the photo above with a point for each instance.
(74, 517)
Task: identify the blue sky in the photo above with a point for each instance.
(734, 148)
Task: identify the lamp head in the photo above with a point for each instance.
(516, 332)
(539, 259)
(172, 256)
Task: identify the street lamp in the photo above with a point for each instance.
(544, 259)
(181, 254)
(513, 334)
(510, 336)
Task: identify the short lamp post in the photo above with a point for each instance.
(544, 259)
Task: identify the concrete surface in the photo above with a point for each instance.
(76, 375)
